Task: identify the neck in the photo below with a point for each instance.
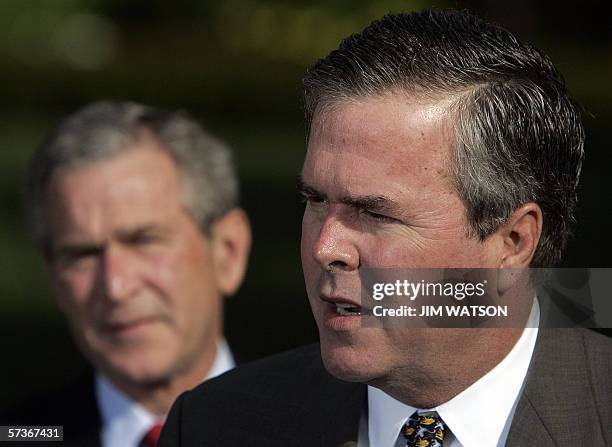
(458, 359)
(157, 396)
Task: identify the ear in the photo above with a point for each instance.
(521, 234)
(231, 244)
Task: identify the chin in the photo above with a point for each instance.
(135, 368)
(143, 377)
(350, 363)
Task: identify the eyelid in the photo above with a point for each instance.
(317, 199)
(145, 236)
(141, 237)
(377, 216)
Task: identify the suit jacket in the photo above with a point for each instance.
(290, 400)
(73, 407)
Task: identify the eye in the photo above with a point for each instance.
(143, 238)
(77, 257)
(376, 216)
(316, 199)
(311, 198)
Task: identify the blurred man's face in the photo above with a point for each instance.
(131, 269)
(380, 194)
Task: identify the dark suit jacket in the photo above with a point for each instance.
(290, 400)
(74, 407)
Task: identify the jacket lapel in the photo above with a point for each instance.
(344, 428)
(527, 428)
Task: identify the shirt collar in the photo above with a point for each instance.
(386, 417)
(124, 421)
(224, 361)
(494, 396)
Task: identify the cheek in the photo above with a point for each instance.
(180, 272)
(161, 271)
(393, 250)
(414, 251)
(73, 289)
(309, 235)
(310, 266)
(74, 295)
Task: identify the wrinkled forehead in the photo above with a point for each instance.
(142, 183)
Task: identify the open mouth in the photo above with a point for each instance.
(347, 310)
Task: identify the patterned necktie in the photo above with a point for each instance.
(151, 437)
(424, 430)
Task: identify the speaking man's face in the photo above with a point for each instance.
(379, 193)
(131, 269)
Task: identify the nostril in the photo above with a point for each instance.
(339, 265)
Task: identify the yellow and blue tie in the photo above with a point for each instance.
(424, 430)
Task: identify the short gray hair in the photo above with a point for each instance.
(106, 128)
(519, 135)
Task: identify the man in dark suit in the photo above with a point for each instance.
(436, 141)
(136, 212)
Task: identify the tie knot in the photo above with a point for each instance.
(424, 430)
(151, 437)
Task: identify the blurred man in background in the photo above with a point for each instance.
(436, 140)
(136, 213)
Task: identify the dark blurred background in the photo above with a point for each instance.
(236, 65)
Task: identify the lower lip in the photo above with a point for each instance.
(339, 323)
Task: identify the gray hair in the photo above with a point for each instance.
(106, 128)
(518, 135)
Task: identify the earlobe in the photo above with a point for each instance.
(521, 236)
(231, 239)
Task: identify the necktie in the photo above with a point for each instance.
(424, 430)
(151, 437)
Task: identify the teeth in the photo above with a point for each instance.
(344, 305)
(346, 309)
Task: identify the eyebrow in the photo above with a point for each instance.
(69, 249)
(125, 235)
(134, 233)
(377, 203)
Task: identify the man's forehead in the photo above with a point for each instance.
(378, 138)
(138, 169)
(387, 124)
(129, 190)
(403, 106)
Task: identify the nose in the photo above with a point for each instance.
(119, 277)
(335, 248)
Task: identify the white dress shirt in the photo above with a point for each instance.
(125, 422)
(479, 416)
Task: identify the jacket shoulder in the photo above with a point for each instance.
(271, 373)
(568, 389)
(598, 357)
(288, 399)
